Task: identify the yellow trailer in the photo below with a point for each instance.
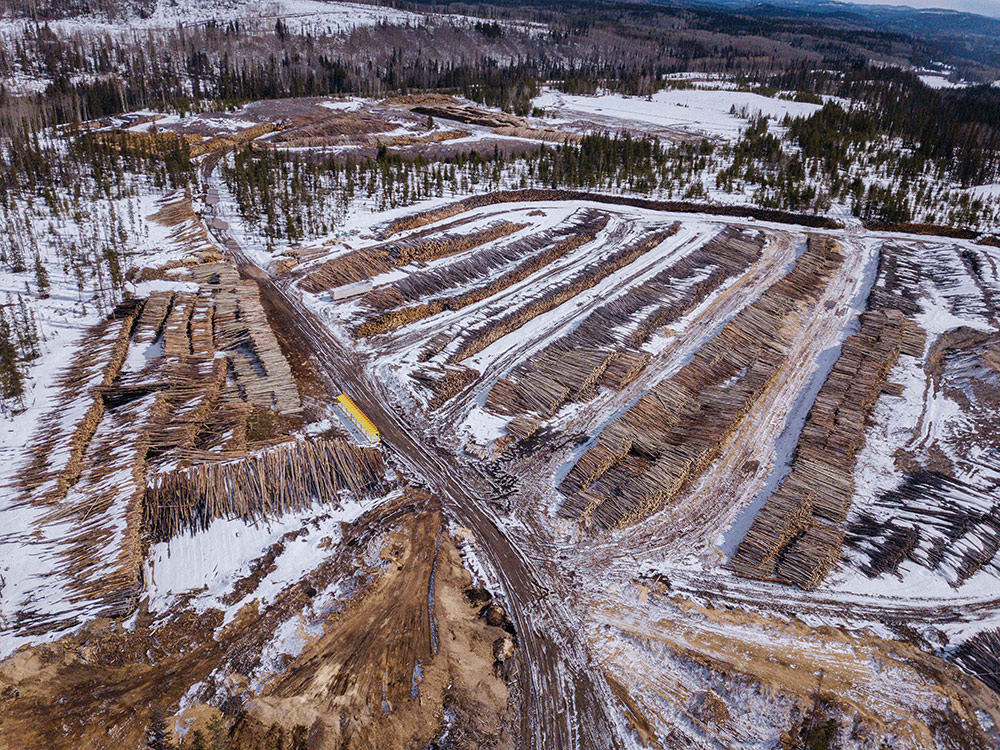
(359, 418)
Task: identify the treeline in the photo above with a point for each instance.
(19, 343)
(627, 48)
(292, 197)
(953, 131)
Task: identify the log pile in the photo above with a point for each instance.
(453, 110)
(582, 233)
(445, 382)
(102, 553)
(58, 447)
(366, 263)
(588, 277)
(523, 427)
(211, 145)
(435, 282)
(643, 460)
(798, 534)
(150, 322)
(89, 460)
(604, 347)
(204, 400)
(288, 477)
(263, 375)
(192, 374)
(624, 367)
(980, 656)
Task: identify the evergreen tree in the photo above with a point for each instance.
(11, 378)
(156, 735)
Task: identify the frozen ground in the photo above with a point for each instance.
(307, 15)
(696, 111)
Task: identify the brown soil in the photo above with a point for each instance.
(357, 686)
(98, 688)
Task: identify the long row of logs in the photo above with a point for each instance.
(368, 262)
(645, 458)
(798, 534)
(288, 477)
(436, 282)
(445, 382)
(604, 347)
(576, 235)
(588, 277)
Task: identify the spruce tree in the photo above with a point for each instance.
(11, 379)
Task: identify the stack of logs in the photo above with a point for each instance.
(366, 263)
(980, 655)
(445, 382)
(220, 359)
(671, 435)
(588, 277)
(568, 240)
(798, 534)
(596, 353)
(288, 477)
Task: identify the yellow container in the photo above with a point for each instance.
(358, 417)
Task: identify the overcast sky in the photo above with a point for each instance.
(984, 7)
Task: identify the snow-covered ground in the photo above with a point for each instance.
(70, 306)
(204, 566)
(707, 111)
(937, 81)
(314, 16)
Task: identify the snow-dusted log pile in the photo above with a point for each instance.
(368, 262)
(671, 435)
(586, 278)
(288, 477)
(604, 347)
(798, 533)
(535, 251)
(417, 220)
(147, 390)
(980, 655)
